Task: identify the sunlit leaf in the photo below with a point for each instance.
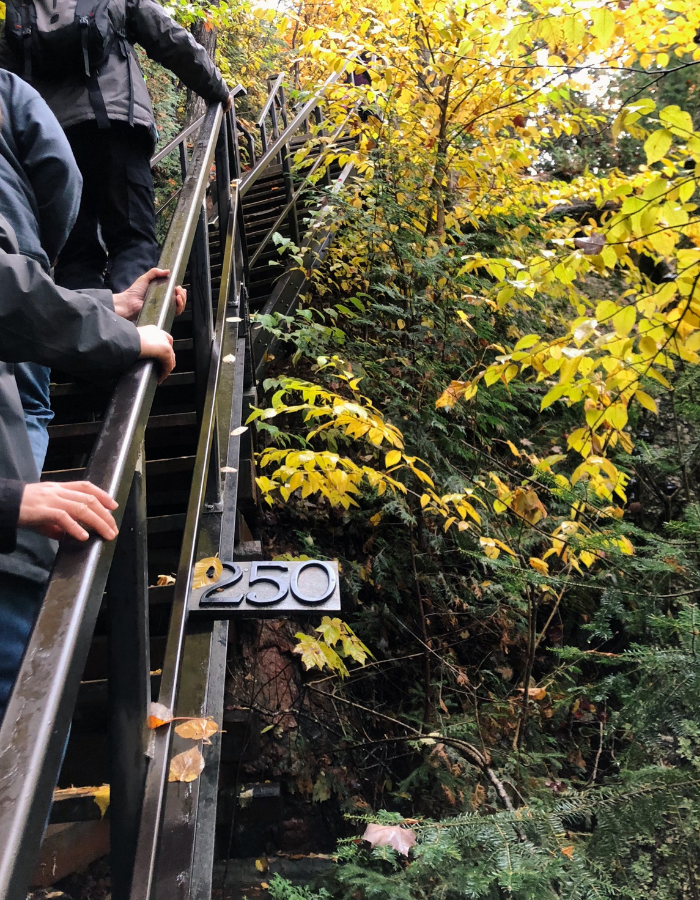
(206, 571)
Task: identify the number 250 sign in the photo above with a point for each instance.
(261, 588)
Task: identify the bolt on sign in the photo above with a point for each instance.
(268, 588)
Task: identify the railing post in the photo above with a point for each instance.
(275, 124)
(129, 682)
(202, 317)
(292, 219)
(223, 183)
(182, 152)
(234, 151)
(203, 336)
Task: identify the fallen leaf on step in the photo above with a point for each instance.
(186, 766)
(197, 729)
(230, 358)
(206, 571)
(101, 798)
(159, 714)
(234, 319)
(401, 839)
(261, 864)
(165, 580)
(239, 430)
(228, 469)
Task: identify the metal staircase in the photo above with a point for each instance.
(108, 639)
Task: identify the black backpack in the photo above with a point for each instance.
(59, 38)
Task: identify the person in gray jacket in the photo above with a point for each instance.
(114, 238)
(40, 188)
(79, 333)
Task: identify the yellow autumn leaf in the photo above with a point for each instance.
(101, 798)
(624, 319)
(646, 401)
(657, 145)
(539, 565)
(392, 458)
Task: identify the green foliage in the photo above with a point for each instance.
(281, 889)
(531, 710)
(577, 672)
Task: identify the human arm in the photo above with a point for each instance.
(55, 508)
(71, 330)
(173, 46)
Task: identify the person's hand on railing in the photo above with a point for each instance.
(55, 508)
(227, 104)
(158, 344)
(128, 304)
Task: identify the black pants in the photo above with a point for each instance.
(114, 238)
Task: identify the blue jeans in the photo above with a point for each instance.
(20, 600)
(33, 383)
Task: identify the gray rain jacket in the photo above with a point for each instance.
(75, 331)
(164, 41)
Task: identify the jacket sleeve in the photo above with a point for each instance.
(173, 46)
(71, 330)
(47, 160)
(10, 499)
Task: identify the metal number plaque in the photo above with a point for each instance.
(268, 588)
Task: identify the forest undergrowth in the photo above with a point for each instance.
(486, 411)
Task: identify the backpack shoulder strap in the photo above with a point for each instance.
(84, 10)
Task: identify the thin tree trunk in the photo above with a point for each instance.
(195, 106)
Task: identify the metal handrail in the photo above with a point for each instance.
(285, 137)
(295, 196)
(158, 771)
(270, 99)
(35, 728)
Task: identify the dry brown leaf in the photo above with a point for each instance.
(197, 730)
(206, 571)
(535, 693)
(186, 766)
(401, 839)
(159, 714)
(568, 851)
(165, 580)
